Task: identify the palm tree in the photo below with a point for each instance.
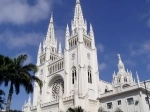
(100, 109)
(77, 109)
(17, 73)
(4, 63)
(118, 110)
(2, 99)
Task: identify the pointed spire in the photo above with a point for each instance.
(67, 31)
(137, 76)
(127, 70)
(114, 74)
(51, 20)
(138, 80)
(60, 50)
(92, 36)
(120, 64)
(50, 37)
(91, 31)
(40, 49)
(67, 37)
(78, 16)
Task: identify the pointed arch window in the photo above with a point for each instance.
(125, 79)
(74, 74)
(89, 75)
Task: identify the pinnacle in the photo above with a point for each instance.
(67, 27)
(51, 20)
(77, 1)
(91, 26)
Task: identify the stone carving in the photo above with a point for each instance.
(56, 88)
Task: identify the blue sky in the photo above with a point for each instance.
(120, 26)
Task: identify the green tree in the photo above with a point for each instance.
(16, 73)
(77, 109)
(118, 110)
(100, 109)
(2, 99)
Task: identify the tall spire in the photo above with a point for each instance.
(92, 36)
(120, 64)
(50, 37)
(67, 37)
(40, 49)
(78, 20)
(91, 30)
(137, 78)
(51, 20)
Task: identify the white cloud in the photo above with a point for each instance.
(100, 47)
(20, 40)
(23, 39)
(102, 66)
(21, 12)
(141, 48)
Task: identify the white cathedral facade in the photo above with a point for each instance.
(71, 79)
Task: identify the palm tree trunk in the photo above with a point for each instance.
(9, 97)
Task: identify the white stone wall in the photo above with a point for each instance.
(125, 107)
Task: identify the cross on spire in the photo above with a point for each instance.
(120, 64)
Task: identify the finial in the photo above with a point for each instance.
(67, 28)
(127, 70)
(119, 57)
(40, 47)
(114, 72)
(91, 28)
(67, 31)
(51, 20)
(77, 1)
(138, 80)
(137, 76)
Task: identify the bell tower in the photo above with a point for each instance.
(81, 57)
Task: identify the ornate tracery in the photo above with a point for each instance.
(56, 88)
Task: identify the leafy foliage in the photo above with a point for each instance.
(77, 109)
(17, 73)
(15, 111)
(100, 109)
(2, 99)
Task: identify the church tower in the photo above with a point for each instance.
(81, 57)
(70, 79)
(124, 77)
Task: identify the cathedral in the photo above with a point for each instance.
(71, 78)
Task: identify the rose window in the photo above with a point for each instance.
(56, 88)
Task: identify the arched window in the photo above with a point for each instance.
(119, 80)
(125, 79)
(73, 75)
(89, 75)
